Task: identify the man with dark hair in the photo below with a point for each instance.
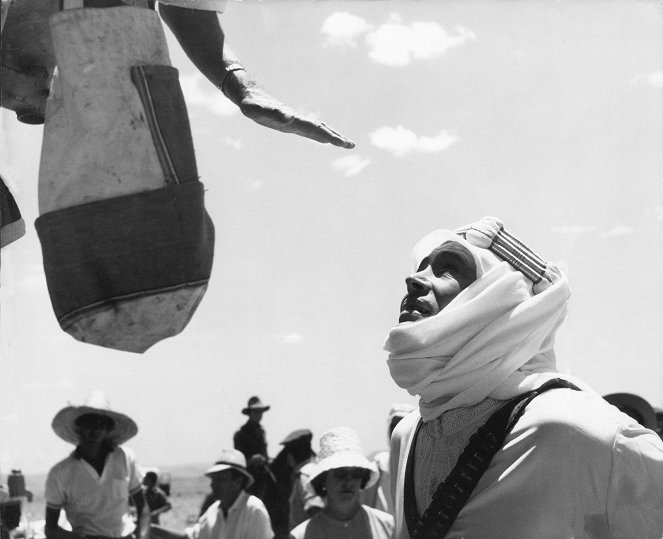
(235, 514)
(503, 444)
(93, 485)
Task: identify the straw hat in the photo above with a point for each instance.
(634, 406)
(64, 421)
(341, 448)
(255, 404)
(231, 459)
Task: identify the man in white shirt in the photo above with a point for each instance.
(236, 514)
(93, 484)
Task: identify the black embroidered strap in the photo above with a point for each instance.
(452, 494)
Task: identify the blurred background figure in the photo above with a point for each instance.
(296, 453)
(235, 514)
(304, 502)
(342, 471)
(99, 471)
(156, 499)
(635, 407)
(659, 422)
(251, 440)
(11, 506)
(379, 495)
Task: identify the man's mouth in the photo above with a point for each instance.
(413, 310)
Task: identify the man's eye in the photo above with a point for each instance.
(441, 269)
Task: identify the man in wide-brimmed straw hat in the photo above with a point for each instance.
(503, 444)
(235, 514)
(93, 484)
(341, 472)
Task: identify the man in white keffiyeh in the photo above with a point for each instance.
(476, 329)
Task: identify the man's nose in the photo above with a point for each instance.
(417, 283)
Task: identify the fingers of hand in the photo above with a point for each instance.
(319, 132)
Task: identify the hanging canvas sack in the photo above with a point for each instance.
(27, 60)
(127, 244)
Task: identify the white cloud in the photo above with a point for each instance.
(574, 230)
(343, 29)
(398, 44)
(401, 141)
(257, 184)
(393, 43)
(198, 91)
(648, 79)
(618, 230)
(290, 338)
(351, 165)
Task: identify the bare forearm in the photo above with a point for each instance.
(161, 509)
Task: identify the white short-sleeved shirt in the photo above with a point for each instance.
(204, 5)
(94, 504)
(247, 519)
(573, 466)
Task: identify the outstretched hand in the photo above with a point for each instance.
(256, 104)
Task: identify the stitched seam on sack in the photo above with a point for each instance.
(67, 320)
(159, 143)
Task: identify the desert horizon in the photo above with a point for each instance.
(188, 488)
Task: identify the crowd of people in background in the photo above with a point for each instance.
(299, 494)
(99, 490)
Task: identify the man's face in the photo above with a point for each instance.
(255, 415)
(440, 277)
(93, 428)
(226, 487)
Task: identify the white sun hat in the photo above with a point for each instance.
(341, 448)
(231, 459)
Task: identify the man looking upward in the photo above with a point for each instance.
(475, 336)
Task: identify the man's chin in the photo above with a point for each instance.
(410, 316)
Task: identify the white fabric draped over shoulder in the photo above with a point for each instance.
(494, 339)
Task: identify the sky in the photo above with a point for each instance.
(545, 114)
